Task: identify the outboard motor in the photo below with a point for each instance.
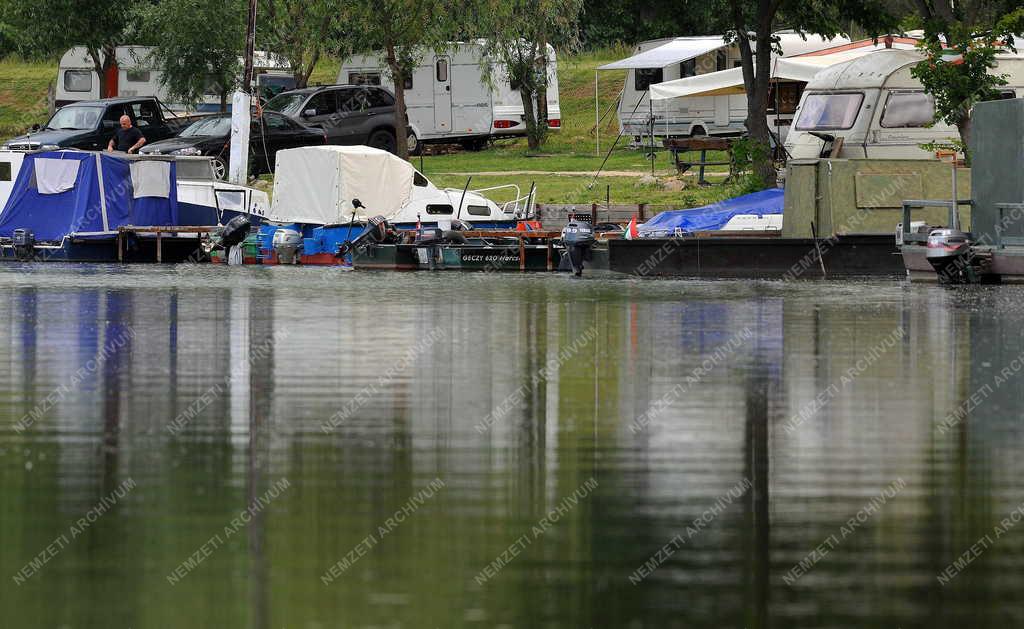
(429, 236)
(24, 242)
(376, 232)
(235, 231)
(286, 245)
(578, 238)
(949, 252)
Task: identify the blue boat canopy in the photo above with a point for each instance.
(712, 217)
(89, 195)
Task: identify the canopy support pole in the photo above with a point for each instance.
(103, 191)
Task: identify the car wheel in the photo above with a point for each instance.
(382, 140)
(413, 142)
(220, 168)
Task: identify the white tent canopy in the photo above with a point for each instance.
(316, 184)
(676, 51)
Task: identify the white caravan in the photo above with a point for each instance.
(789, 76)
(448, 99)
(878, 109)
(663, 60)
(134, 75)
(316, 185)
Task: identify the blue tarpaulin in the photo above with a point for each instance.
(101, 199)
(712, 217)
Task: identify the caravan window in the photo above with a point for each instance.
(442, 70)
(137, 76)
(829, 111)
(908, 109)
(787, 95)
(364, 78)
(721, 61)
(78, 80)
(644, 77)
(688, 68)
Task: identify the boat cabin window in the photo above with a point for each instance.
(442, 70)
(644, 77)
(829, 111)
(439, 209)
(137, 76)
(478, 210)
(78, 80)
(364, 78)
(5, 171)
(419, 180)
(194, 168)
(908, 109)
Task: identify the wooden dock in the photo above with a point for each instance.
(159, 230)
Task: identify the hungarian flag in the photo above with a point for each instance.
(631, 232)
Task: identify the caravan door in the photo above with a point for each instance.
(722, 113)
(442, 94)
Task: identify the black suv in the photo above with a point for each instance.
(349, 114)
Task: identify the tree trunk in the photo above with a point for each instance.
(533, 139)
(305, 71)
(758, 82)
(398, 77)
(963, 125)
(542, 93)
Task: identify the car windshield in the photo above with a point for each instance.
(287, 104)
(220, 125)
(75, 118)
(821, 112)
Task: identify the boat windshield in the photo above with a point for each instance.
(822, 112)
(75, 118)
(287, 104)
(218, 125)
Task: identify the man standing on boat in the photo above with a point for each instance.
(127, 139)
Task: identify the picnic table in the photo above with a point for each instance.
(681, 146)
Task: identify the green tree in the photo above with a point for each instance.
(200, 43)
(402, 30)
(960, 45)
(52, 26)
(518, 34)
(301, 31)
(751, 24)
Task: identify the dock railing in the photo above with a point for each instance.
(920, 204)
(1001, 240)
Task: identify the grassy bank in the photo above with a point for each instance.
(563, 169)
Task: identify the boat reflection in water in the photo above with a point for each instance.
(603, 452)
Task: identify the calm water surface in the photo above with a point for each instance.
(288, 447)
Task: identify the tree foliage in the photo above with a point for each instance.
(200, 42)
(960, 45)
(301, 31)
(53, 26)
(518, 33)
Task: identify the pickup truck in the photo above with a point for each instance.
(89, 125)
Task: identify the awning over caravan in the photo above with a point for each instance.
(676, 51)
(316, 184)
(731, 81)
(89, 195)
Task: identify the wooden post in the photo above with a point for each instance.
(593, 214)
(642, 211)
(159, 252)
(522, 254)
(551, 252)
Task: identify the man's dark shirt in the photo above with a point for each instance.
(124, 139)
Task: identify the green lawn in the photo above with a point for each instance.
(572, 150)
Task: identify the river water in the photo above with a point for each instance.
(309, 447)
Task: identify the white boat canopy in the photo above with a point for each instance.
(316, 184)
(676, 51)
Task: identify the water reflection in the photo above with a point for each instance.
(531, 387)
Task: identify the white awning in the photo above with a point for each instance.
(676, 51)
(802, 68)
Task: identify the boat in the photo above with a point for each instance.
(87, 206)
